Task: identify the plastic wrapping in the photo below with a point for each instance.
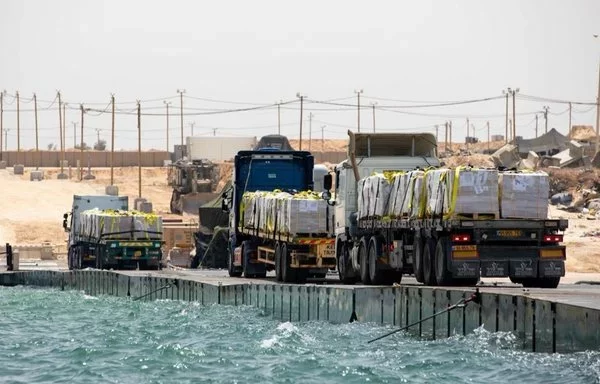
(375, 196)
(98, 224)
(524, 195)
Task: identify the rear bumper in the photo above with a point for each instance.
(520, 262)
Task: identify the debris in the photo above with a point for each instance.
(563, 198)
(507, 156)
(594, 233)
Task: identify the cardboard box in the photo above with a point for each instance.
(524, 195)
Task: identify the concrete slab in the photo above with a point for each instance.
(111, 190)
(36, 176)
(62, 176)
(3, 164)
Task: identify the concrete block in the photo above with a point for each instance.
(575, 149)
(544, 326)
(62, 176)
(111, 190)
(3, 164)
(137, 201)
(145, 207)
(369, 302)
(18, 169)
(36, 175)
(507, 156)
(89, 176)
(341, 306)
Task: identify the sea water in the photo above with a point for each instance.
(51, 336)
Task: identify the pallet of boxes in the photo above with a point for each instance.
(178, 238)
(458, 193)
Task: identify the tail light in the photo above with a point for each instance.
(461, 238)
(389, 247)
(553, 238)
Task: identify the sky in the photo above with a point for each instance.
(229, 55)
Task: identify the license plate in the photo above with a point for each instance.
(137, 254)
(464, 247)
(327, 250)
(509, 233)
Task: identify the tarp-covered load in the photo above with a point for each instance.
(524, 195)
(286, 214)
(99, 224)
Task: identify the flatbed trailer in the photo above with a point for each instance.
(460, 251)
(292, 257)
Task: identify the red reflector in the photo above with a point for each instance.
(388, 247)
(553, 238)
(461, 238)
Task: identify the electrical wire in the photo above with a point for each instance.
(550, 100)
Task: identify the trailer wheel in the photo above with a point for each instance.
(343, 265)
(443, 276)
(376, 275)
(418, 258)
(363, 260)
(278, 271)
(288, 274)
(428, 262)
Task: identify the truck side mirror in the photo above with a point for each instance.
(327, 182)
(66, 216)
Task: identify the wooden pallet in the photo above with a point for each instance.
(477, 216)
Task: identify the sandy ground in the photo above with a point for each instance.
(31, 212)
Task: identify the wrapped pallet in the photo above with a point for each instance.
(414, 198)
(374, 195)
(248, 210)
(524, 195)
(306, 215)
(397, 194)
(463, 191)
(98, 224)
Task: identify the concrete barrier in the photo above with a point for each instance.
(18, 169)
(541, 325)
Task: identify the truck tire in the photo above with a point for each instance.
(288, 274)
(443, 277)
(99, 257)
(231, 269)
(548, 282)
(344, 265)
(377, 276)
(363, 261)
(278, 272)
(429, 262)
(418, 258)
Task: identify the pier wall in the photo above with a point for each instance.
(541, 325)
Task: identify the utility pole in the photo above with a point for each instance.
(514, 117)
(215, 131)
(64, 130)
(450, 142)
(139, 126)
(310, 117)
(504, 92)
(112, 140)
(279, 117)
(546, 108)
(192, 127)
(446, 137)
(598, 112)
(80, 147)
(37, 148)
(181, 92)
(373, 105)
(6, 139)
(467, 139)
(488, 132)
(60, 130)
(167, 103)
(437, 133)
(570, 113)
(74, 133)
(323, 138)
(536, 125)
(98, 133)
(301, 97)
(19, 124)
(358, 92)
(1, 123)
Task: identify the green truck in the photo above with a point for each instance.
(104, 234)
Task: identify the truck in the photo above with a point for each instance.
(103, 234)
(253, 251)
(437, 251)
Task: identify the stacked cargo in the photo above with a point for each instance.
(524, 195)
(285, 214)
(452, 193)
(375, 196)
(117, 224)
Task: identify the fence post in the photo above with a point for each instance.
(9, 257)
